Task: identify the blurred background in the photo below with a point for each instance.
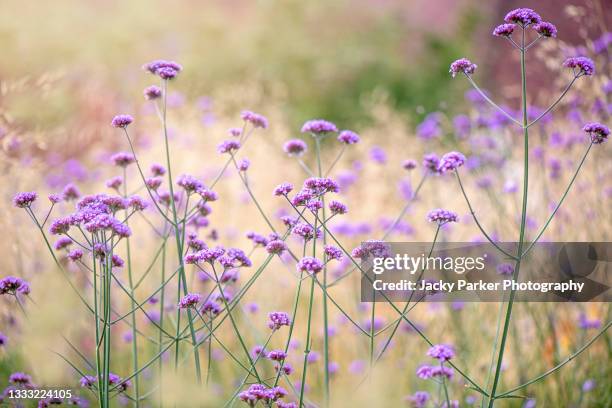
(379, 67)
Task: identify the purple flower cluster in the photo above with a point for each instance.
(283, 189)
(337, 208)
(504, 30)
(450, 161)
(295, 147)
(278, 319)
(348, 137)
(523, 16)
(442, 216)
(123, 159)
(309, 265)
(318, 127)
(258, 392)
(152, 92)
(372, 248)
(257, 120)
(598, 132)
(462, 65)
(190, 300)
(121, 121)
(276, 247)
(12, 285)
(164, 69)
(580, 65)
(546, 29)
(228, 146)
(441, 352)
(25, 199)
(426, 372)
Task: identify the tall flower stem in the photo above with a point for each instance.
(519, 253)
(179, 244)
(325, 308)
(133, 302)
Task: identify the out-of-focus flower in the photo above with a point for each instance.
(462, 65)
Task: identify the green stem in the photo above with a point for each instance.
(504, 337)
(179, 245)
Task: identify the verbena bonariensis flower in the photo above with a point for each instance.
(332, 252)
(62, 243)
(321, 185)
(523, 16)
(11, 285)
(598, 132)
(154, 66)
(228, 146)
(189, 183)
(426, 372)
(546, 29)
(462, 65)
(121, 121)
(337, 208)
(309, 265)
(190, 300)
(20, 378)
(372, 248)
(114, 183)
(442, 216)
(409, 164)
(210, 308)
(583, 65)
(504, 30)
(418, 399)
(244, 164)
(25, 199)
(54, 198)
(88, 381)
(75, 254)
(158, 170)
(276, 247)
(114, 379)
(283, 189)
(277, 355)
(318, 127)
(278, 319)
(234, 132)
(505, 269)
(348, 137)
(451, 161)
(123, 159)
(70, 192)
(3, 339)
(430, 162)
(152, 92)
(257, 120)
(295, 147)
(441, 352)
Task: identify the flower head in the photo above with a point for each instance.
(123, 159)
(584, 65)
(336, 207)
(228, 146)
(70, 192)
(442, 216)
(451, 161)
(348, 137)
(462, 65)
(523, 16)
(546, 29)
(158, 170)
(276, 247)
(190, 300)
(441, 351)
(75, 254)
(430, 162)
(11, 285)
(152, 92)
(504, 30)
(257, 120)
(309, 265)
(20, 378)
(189, 183)
(295, 147)
(318, 126)
(154, 66)
(598, 132)
(121, 121)
(409, 164)
(283, 189)
(62, 242)
(25, 199)
(278, 319)
(167, 73)
(332, 252)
